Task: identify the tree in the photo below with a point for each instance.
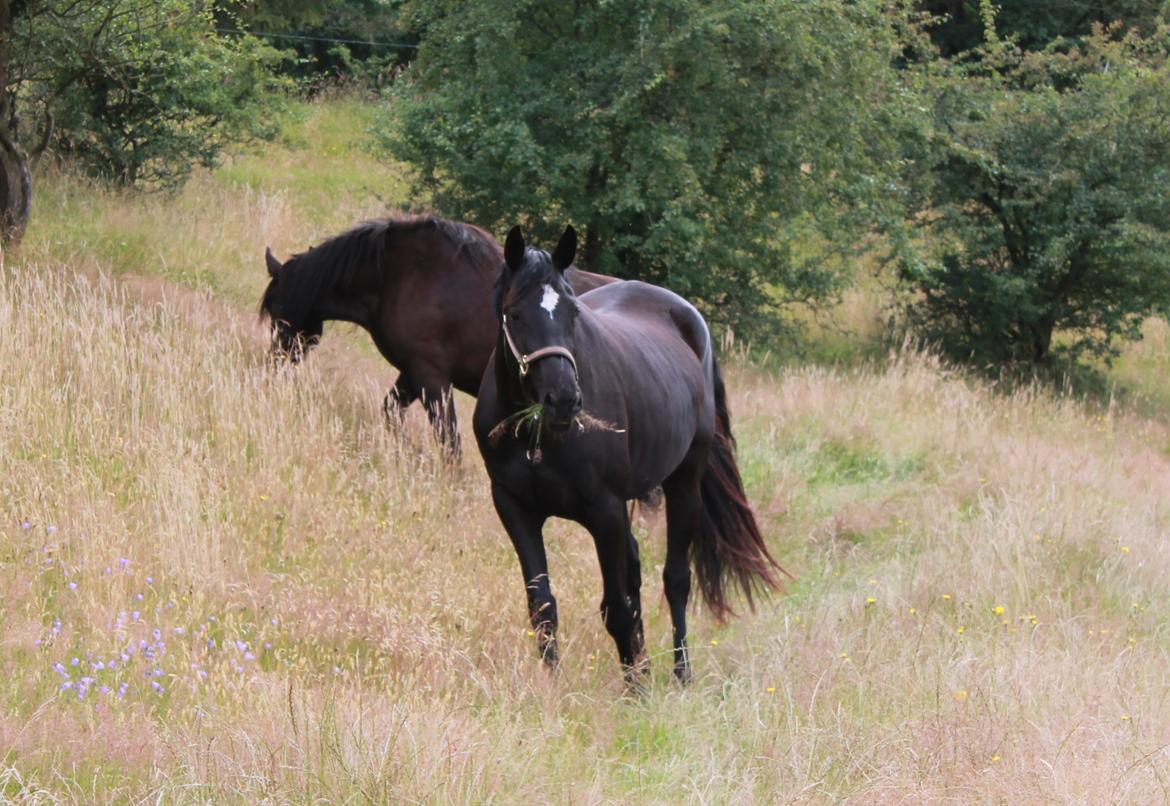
(141, 91)
(1044, 205)
(153, 92)
(15, 160)
(722, 149)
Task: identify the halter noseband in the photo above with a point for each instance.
(526, 359)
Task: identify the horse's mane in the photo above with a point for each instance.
(334, 263)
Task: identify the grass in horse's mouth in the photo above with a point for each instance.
(531, 419)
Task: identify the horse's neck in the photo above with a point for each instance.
(354, 301)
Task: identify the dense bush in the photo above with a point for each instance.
(144, 92)
(1044, 204)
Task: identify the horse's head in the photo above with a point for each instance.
(294, 332)
(538, 317)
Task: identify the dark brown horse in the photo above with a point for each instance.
(595, 400)
(420, 285)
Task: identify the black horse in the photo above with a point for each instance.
(592, 401)
(420, 285)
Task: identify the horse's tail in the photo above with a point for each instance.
(729, 546)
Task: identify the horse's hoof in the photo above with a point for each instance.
(682, 673)
(637, 676)
(548, 654)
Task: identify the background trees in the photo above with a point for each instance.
(1044, 204)
(152, 90)
(742, 153)
(728, 150)
(141, 91)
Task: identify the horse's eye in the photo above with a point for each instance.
(514, 316)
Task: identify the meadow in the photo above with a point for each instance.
(224, 583)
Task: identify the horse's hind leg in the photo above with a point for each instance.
(683, 504)
(621, 609)
(440, 403)
(523, 529)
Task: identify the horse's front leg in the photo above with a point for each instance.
(524, 530)
(621, 575)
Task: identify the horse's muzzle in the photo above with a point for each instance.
(561, 414)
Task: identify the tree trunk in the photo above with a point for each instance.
(15, 176)
(15, 186)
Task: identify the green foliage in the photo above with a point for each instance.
(375, 42)
(1034, 25)
(1043, 202)
(700, 145)
(144, 92)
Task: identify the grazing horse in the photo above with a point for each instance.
(592, 401)
(420, 285)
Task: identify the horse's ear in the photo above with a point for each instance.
(274, 265)
(514, 248)
(562, 256)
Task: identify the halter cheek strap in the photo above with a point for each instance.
(527, 359)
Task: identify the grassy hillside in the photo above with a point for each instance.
(223, 583)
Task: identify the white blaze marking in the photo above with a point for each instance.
(549, 300)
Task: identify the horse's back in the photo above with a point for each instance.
(639, 309)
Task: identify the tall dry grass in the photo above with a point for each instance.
(980, 612)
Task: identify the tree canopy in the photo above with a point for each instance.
(714, 147)
(1044, 203)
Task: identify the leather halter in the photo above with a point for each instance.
(526, 359)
